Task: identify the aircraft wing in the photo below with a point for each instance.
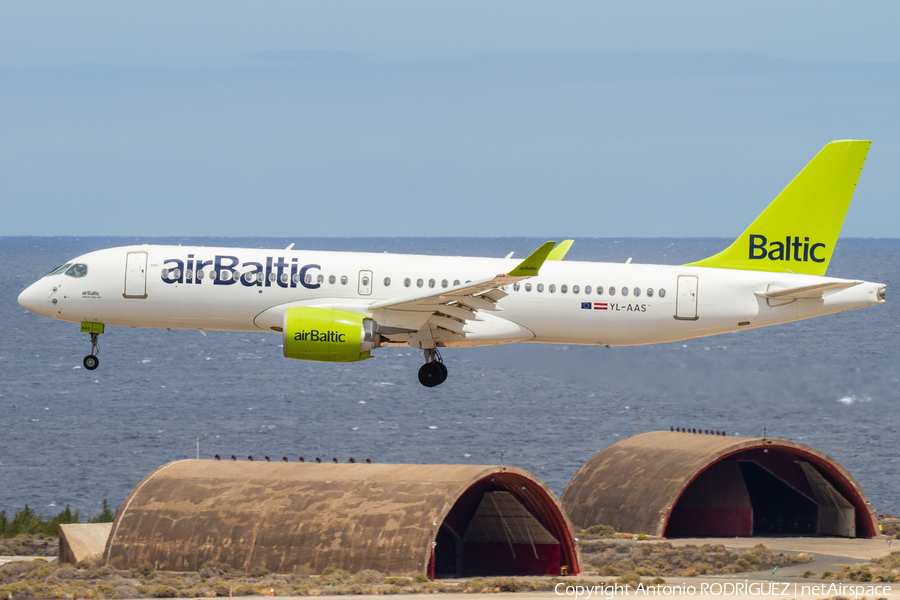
(449, 309)
(818, 290)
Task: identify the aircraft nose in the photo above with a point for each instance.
(33, 298)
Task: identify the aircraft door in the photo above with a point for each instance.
(135, 275)
(365, 283)
(686, 298)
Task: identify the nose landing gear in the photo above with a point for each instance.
(433, 372)
(91, 361)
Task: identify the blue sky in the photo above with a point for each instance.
(581, 119)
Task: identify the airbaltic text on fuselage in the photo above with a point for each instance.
(778, 250)
(228, 270)
(314, 335)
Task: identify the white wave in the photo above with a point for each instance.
(848, 400)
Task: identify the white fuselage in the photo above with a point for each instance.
(159, 287)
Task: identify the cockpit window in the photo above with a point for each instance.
(58, 269)
(77, 270)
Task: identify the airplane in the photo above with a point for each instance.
(341, 306)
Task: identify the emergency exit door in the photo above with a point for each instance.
(686, 299)
(135, 275)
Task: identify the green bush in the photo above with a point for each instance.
(258, 571)
(598, 531)
(144, 570)
(507, 584)
(162, 591)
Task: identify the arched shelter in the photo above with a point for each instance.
(675, 484)
(443, 520)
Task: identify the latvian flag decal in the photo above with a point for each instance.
(594, 305)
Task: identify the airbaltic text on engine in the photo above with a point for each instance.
(782, 251)
(320, 336)
(176, 270)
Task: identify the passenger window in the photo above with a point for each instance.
(407, 282)
(212, 275)
(188, 275)
(599, 290)
(78, 270)
(431, 283)
(575, 289)
(176, 273)
(612, 290)
(516, 287)
(624, 291)
(308, 278)
(587, 289)
(455, 282)
(420, 282)
(199, 274)
(387, 281)
(637, 292)
(295, 277)
(284, 276)
(444, 283)
(649, 292)
(320, 279)
(540, 287)
(662, 293)
(563, 288)
(343, 280)
(331, 279)
(527, 287)
(552, 288)
(259, 277)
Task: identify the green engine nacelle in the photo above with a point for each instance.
(328, 334)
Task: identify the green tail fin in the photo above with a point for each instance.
(798, 230)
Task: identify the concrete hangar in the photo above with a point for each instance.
(674, 484)
(464, 520)
(442, 520)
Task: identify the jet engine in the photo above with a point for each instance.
(328, 334)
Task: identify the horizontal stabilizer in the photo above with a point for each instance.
(819, 290)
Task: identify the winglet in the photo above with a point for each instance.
(560, 251)
(531, 265)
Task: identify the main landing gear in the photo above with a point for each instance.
(91, 361)
(433, 372)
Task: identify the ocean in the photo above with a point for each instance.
(75, 437)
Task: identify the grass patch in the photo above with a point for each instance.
(882, 569)
(662, 559)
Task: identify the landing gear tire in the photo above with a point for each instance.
(430, 374)
(433, 372)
